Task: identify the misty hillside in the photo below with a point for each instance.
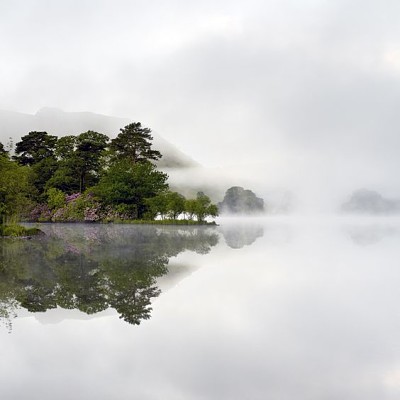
(57, 122)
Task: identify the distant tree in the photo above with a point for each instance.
(240, 201)
(134, 143)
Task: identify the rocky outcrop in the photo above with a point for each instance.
(240, 201)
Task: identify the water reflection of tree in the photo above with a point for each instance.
(241, 234)
(370, 234)
(93, 268)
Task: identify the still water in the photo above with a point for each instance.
(252, 309)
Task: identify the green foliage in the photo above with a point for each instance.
(124, 183)
(134, 143)
(65, 147)
(202, 207)
(175, 204)
(3, 151)
(35, 147)
(157, 206)
(83, 207)
(80, 161)
(190, 208)
(15, 230)
(65, 178)
(42, 171)
(167, 203)
(88, 156)
(15, 188)
(127, 183)
(55, 198)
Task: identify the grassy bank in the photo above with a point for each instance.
(15, 230)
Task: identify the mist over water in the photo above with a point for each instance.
(280, 307)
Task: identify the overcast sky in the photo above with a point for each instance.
(298, 85)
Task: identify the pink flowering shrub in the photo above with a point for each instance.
(40, 213)
(69, 198)
(79, 207)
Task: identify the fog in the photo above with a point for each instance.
(276, 95)
(286, 308)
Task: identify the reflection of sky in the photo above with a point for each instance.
(312, 317)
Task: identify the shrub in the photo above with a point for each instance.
(55, 198)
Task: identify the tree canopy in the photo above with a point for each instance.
(88, 177)
(35, 147)
(131, 184)
(134, 143)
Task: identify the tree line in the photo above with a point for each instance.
(90, 177)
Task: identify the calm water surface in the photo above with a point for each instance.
(252, 309)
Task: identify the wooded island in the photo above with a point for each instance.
(92, 178)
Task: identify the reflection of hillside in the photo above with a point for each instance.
(241, 234)
(92, 268)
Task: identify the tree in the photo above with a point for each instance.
(35, 147)
(80, 161)
(42, 171)
(134, 143)
(190, 208)
(166, 203)
(65, 147)
(55, 198)
(15, 188)
(202, 207)
(175, 204)
(3, 151)
(125, 183)
(240, 201)
(88, 154)
(157, 206)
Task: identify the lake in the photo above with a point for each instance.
(269, 308)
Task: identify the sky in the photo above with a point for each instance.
(288, 90)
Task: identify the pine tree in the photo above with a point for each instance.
(134, 143)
